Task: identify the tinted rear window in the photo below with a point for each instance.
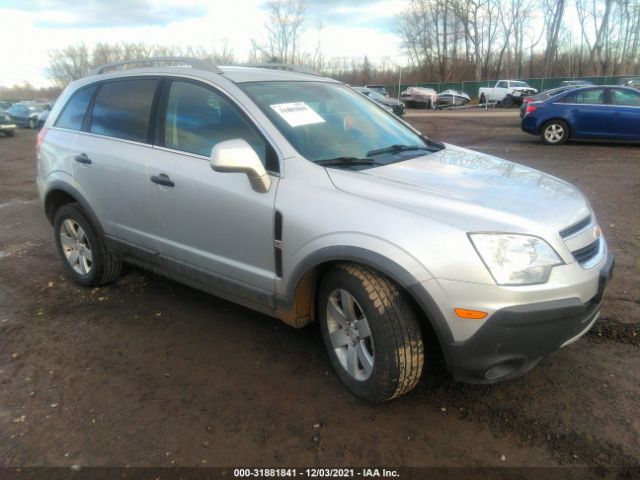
(122, 109)
(73, 113)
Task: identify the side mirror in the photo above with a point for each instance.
(237, 156)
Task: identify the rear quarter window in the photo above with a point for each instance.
(74, 111)
(122, 109)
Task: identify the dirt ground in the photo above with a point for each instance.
(147, 372)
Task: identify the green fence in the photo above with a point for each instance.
(472, 87)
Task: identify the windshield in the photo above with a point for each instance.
(326, 121)
(519, 84)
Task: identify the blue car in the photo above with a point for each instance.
(598, 112)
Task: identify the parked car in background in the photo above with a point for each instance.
(506, 92)
(543, 96)
(575, 83)
(7, 127)
(391, 104)
(26, 114)
(381, 89)
(452, 98)
(630, 82)
(42, 118)
(419, 97)
(607, 112)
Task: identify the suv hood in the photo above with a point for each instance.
(473, 191)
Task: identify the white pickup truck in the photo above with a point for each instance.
(506, 92)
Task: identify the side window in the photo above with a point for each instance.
(122, 109)
(591, 97)
(625, 97)
(198, 118)
(502, 85)
(73, 113)
(571, 98)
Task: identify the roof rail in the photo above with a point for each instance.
(284, 66)
(192, 62)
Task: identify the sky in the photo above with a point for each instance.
(29, 29)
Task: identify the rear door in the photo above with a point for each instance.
(215, 227)
(625, 107)
(111, 159)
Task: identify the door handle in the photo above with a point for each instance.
(162, 179)
(83, 158)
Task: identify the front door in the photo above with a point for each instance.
(625, 105)
(215, 227)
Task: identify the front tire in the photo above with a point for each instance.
(554, 132)
(371, 332)
(84, 254)
(32, 123)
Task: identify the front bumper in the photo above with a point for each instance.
(516, 338)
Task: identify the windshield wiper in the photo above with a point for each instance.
(339, 161)
(398, 148)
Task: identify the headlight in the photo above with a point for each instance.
(514, 259)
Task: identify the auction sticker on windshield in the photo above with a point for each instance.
(297, 114)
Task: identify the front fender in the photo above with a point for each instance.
(356, 247)
(382, 256)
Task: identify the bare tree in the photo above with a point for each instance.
(69, 64)
(75, 61)
(284, 28)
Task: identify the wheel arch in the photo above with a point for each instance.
(297, 306)
(61, 193)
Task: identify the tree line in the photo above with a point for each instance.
(454, 40)
(442, 40)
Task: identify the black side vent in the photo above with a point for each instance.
(575, 228)
(585, 254)
(278, 226)
(277, 236)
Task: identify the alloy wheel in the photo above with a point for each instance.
(76, 247)
(554, 133)
(350, 335)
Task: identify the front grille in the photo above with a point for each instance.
(576, 227)
(585, 254)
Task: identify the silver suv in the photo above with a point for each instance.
(292, 194)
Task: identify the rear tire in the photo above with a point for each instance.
(554, 132)
(85, 256)
(9, 133)
(371, 331)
